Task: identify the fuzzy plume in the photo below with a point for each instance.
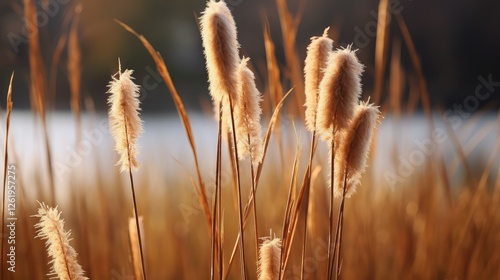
(124, 121)
(353, 152)
(63, 256)
(269, 260)
(247, 115)
(220, 42)
(339, 92)
(316, 61)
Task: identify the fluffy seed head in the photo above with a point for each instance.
(353, 152)
(124, 121)
(219, 36)
(316, 61)
(63, 256)
(247, 115)
(269, 260)
(339, 92)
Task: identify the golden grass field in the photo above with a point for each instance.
(433, 225)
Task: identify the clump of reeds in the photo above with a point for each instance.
(63, 257)
(269, 259)
(221, 48)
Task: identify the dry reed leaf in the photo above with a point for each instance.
(381, 46)
(75, 66)
(124, 121)
(316, 61)
(163, 70)
(63, 257)
(289, 26)
(273, 70)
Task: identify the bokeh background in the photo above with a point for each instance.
(456, 41)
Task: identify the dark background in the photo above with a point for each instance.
(457, 41)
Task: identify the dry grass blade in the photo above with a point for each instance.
(75, 69)
(424, 94)
(381, 48)
(289, 26)
(38, 87)
(273, 70)
(162, 68)
(5, 163)
(476, 200)
(397, 75)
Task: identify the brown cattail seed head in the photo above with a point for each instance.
(316, 61)
(339, 92)
(353, 152)
(247, 115)
(124, 121)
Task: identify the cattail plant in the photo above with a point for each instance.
(248, 130)
(221, 48)
(63, 257)
(316, 61)
(351, 163)
(269, 260)
(126, 126)
(339, 92)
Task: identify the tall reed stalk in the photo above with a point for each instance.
(126, 127)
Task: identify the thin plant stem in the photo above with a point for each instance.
(308, 191)
(339, 229)
(330, 233)
(238, 182)
(254, 205)
(216, 201)
(136, 216)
